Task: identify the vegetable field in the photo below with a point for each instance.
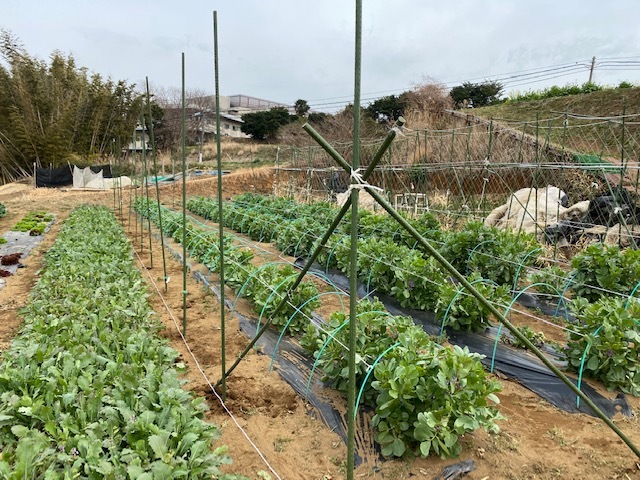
(96, 384)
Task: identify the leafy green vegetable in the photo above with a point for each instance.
(377, 331)
(34, 222)
(87, 389)
(552, 280)
(429, 396)
(494, 254)
(415, 380)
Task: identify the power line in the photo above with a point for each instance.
(509, 79)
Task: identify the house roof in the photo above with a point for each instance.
(233, 118)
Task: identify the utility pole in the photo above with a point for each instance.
(593, 64)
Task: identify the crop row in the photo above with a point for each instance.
(496, 255)
(602, 348)
(87, 388)
(263, 285)
(426, 396)
(384, 265)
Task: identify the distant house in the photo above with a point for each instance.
(230, 126)
(140, 141)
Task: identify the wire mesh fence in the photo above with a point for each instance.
(471, 168)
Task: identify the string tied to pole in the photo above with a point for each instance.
(360, 182)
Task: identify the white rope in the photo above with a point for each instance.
(360, 182)
(204, 375)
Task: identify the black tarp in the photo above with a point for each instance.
(54, 177)
(63, 176)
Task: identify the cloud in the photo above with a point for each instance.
(293, 49)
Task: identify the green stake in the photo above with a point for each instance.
(184, 212)
(353, 258)
(220, 222)
(155, 168)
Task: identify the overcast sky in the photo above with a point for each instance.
(283, 50)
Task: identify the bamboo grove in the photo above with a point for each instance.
(53, 112)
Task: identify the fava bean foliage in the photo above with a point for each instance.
(425, 396)
(606, 342)
(602, 270)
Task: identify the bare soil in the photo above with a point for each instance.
(537, 441)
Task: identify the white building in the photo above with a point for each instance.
(140, 140)
(231, 110)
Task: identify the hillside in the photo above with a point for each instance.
(587, 126)
(604, 103)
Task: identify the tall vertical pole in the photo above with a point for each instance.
(184, 210)
(593, 65)
(133, 175)
(353, 267)
(220, 222)
(146, 182)
(119, 177)
(112, 166)
(155, 169)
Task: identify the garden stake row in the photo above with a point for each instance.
(471, 289)
(220, 223)
(155, 169)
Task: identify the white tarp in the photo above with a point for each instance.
(109, 183)
(82, 177)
